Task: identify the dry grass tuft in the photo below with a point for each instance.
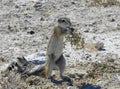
(76, 40)
(12, 81)
(104, 3)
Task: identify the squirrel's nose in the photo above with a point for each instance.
(72, 29)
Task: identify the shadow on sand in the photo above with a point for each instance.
(90, 86)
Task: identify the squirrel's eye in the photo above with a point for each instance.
(63, 20)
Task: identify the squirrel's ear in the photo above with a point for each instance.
(64, 20)
(59, 20)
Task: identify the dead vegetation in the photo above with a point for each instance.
(76, 40)
(104, 3)
(94, 72)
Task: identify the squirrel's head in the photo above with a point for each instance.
(65, 25)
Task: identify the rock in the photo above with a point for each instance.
(112, 20)
(9, 27)
(73, 2)
(67, 55)
(38, 6)
(16, 6)
(70, 87)
(31, 32)
(99, 45)
(2, 59)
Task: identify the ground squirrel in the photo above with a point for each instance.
(54, 51)
(55, 48)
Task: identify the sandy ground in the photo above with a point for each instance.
(26, 25)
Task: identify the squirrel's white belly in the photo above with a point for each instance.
(58, 53)
(56, 48)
